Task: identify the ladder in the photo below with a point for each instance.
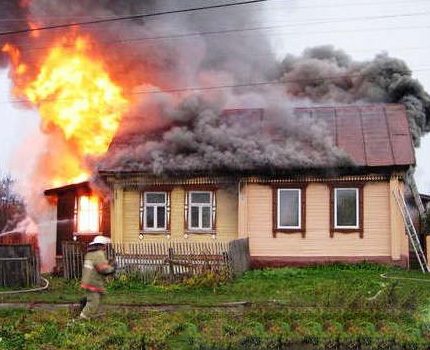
(410, 229)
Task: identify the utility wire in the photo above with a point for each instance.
(31, 47)
(131, 17)
(352, 4)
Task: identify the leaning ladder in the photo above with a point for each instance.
(410, 229)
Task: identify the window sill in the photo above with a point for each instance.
(289, 231)
(346, 230)
(87, 233)
(200, 232)
(155, 233)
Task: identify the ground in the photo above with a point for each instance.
(338, 306)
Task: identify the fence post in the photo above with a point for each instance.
(170, 259)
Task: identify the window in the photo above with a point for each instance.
(87, 214)
(289, 213)
(201, 210)
(346, 209)
(289, 208)
(154, 211)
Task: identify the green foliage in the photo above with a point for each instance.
(263, 327)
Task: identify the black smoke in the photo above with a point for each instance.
(325, 75)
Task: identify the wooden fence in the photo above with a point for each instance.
(169, 261)
(19, 266)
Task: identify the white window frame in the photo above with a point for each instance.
(357, 206)
(279, 226)
(155, 206)
(200, 206)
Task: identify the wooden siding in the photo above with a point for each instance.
(125, 223)
(376, 239)
(131, 217)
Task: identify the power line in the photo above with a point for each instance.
(131, 17)
(352, 4)
(242, 30)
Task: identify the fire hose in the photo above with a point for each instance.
(384, 275)
(37, 289)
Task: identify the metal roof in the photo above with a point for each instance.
(372, 135)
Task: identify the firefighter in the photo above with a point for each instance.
(96, 267)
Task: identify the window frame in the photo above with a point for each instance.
(146, 205)
(357, 208)
(200, 206)
(276, 190)
(213, 189)
(299, 212)
(143, 229)
(358, 186)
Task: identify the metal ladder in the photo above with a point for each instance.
(410, 229)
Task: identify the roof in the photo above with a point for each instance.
(372, 135)
(82, 186)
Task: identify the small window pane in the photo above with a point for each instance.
(161, 217)
(154, 197)
(150, 217)
(195, 217)
(201, 197)
(206, 217)
(289, 208)
(346, 207)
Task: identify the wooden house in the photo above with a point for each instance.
(294, 218)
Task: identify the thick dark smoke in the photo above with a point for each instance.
(326, 75)
(185, 131)
(203, 140)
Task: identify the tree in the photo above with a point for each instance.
(12, 207)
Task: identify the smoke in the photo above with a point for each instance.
(204, 140)
(185, 130)
(325, 75)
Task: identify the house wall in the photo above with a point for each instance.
(125, 216)
(380, 242)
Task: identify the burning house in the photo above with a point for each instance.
(152, 128)
(291, 215)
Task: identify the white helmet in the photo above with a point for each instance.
(100, 240)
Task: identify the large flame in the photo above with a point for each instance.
(74, 94)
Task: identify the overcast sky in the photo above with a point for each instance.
(362, 28)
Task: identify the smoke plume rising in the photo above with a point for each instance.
(179, 75)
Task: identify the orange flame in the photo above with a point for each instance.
(88, 214)
(75, 94)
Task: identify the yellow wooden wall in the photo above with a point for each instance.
(377, 239)
(125, 217)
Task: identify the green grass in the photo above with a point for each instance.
(338, 306)
(328, 286)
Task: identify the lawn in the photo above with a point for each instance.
(337, 306)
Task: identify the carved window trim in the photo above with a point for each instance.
(200, 188)
(142, 205)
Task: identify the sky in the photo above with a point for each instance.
(362, 28)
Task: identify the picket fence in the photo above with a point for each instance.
(169, 261)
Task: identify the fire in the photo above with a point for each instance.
(88, 220)
(75, 94)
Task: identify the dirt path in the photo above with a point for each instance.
(155, 307)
